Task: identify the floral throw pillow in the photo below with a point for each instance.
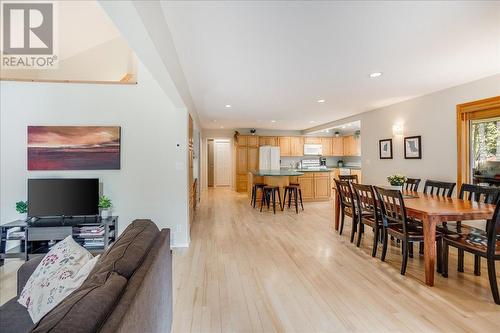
(60, 272)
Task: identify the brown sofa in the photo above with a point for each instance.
(129, 290)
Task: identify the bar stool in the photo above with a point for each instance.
(255, 189)
(269, 193)
(294, 192)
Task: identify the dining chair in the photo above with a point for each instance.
(480, 194)
(443, 189)
(349, 178)
(347, 206)
(368, 213)
(483, 244)
(395, 222)
(412, 184)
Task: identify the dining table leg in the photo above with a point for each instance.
(429, 224)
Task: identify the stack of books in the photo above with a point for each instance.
(90, 236)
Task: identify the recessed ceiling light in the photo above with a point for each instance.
(312, 122)
(222, 126)
(215, 120)
(273, 121)
(375, 74)
(321, 101)
(228, 106)
(343, 126)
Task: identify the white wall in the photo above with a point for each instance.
(433, 117)
(152, 182)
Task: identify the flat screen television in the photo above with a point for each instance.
(63, 197)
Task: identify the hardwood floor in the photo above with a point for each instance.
(247, 271)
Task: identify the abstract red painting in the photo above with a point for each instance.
(73, 147)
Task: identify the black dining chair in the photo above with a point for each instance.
(434, 187)
(483, 244)
(368, 213)
(347, 206)
(480, 194)
(396, 223)
(349, 178)
(412, 184)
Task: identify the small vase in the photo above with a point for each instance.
(23, 216)
(104, 213)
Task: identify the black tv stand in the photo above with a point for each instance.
(38, 235)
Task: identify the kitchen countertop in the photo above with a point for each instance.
(346, 167)
(328, 169)
(277, 173)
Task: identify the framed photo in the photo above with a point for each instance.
(385, 149)
(413, 147)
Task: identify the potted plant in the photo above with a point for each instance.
(104, 206)
(397, 181)
(22, 208)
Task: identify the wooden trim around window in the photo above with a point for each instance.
(482, 109)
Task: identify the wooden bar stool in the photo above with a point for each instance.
(294, 193)
(269, 193)
(255, 190)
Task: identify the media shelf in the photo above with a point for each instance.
(93, 233)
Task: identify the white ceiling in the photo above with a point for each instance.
(274, 60)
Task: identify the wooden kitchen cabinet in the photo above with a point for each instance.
(268, 141)
(252, 158)
(241, 160)
(285, 148)
(338, 146)
(296, 146)
(326, 144)
(242, 140)
(307, 186)
(312, 140)
(322, 188)
(252, 141)
(352, 146)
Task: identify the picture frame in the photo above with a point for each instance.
(385, 149)
(413, 147)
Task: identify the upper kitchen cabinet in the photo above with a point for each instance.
(253, 141)
(296, 146)
(312, 140)
(338, 146)
(268, 141)
(352, 146)
(326, 144)
(284, 143)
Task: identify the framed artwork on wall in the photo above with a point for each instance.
(385, 149)
(74, 147)
(413, 147)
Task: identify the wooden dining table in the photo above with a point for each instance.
(432, 210)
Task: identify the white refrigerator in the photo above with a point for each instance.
(269, 158)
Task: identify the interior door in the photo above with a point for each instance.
(211, 163)
(222, 164)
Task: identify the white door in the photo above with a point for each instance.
(222, 163)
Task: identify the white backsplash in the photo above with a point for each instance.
(291, 161)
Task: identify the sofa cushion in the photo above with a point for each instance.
(86, 309)
(14, 318)
(129, 250)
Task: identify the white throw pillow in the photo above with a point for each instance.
(60, 272)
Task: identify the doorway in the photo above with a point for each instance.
(222, 163)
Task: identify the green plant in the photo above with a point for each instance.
(105, 202)
(396, 180)
(22, 207)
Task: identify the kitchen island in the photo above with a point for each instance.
(314, 183)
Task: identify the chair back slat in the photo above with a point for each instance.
(345, 192)
(392, 208)
(366, 199)
(482, 194)
(412, 184)
(438, 188)
(349, 178)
